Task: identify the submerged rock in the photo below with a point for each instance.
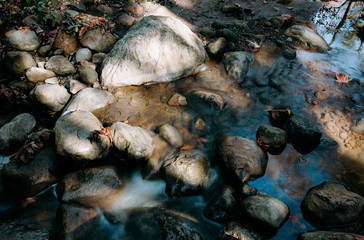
(235, 231)
(26, 180)
(95, 40)
(331, 204)
(272, 139)
(266, 210)
(53, 96)
(242, 156)
(186, 173)
(90, 99)
(134, 142)
(14, 133)
(19, 62)
(76, 222)
(171, 135)
(213, 99)
(60, 65)
(303, 135)
(156, 49)
(308, 37)
(222, 206)
(237, 64)
(324, 235)
(91, 187)
(24, 40)
(73, 131)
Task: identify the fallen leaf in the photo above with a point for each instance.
(294, 219)
(204, 140)
(358, 237)
(340, 78)
(187, 147)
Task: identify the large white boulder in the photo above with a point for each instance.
(156, 49)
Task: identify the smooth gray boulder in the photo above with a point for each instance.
(35, 74)
(89, 76)
(95, 40)
(171, 135)
(14, 133)
(73, 131)
(134, 142)
(26, 180)
(237, 64)
(331, 204)
(308, 37)
(76, 86)
(60, 65)
(19, 62)
(243, 157)
(90, 187)
(53, 96)
(83, 54)
(267, 210)
(156, 49)
(90, 99)
(24, 40)
(187, 172)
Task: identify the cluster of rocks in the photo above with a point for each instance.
(156, 49)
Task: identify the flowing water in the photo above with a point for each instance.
(272, 80)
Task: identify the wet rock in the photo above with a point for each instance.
(211, 98)
(76, 86)
(66, 42)
(44, 50)
(308, 37)
(322, 95)
(91, 187)
(96, 41)
(278, 116)
(272, 139)
(243, 156)
(208, 32)
(324, 235)
(235, 231)
(134, 8)
(134, 142)
(186, 172)
(24, 41)
(126, 20)
(200, 125)
(14, 133)
(53, 96)
(104, 9)
(93, 100)
(98, 57)
(76, 222)
(177, 100)
(282, 20)
(83, 54)
(237, 64)
(60, 65)
(331, 204)
(217, 47)
(89, 76)
(222, 206)
(147, 54)
(303, 135)
(171, 135)
(21, 232)
(159, 224)
(228, 35)
(72, 132)
(26, 180)
(289, 53)
(231, 8)
(19, 62)
(265, 210)
(35, 74)
(358, 126)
